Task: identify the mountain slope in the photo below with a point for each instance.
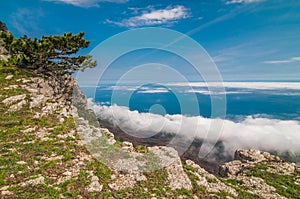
(53, 147)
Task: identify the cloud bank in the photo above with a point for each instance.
(242, 1)
(242, 85)
(86, 3)
(151, 17)
(197, 85)
(291, 60)
(261, 133)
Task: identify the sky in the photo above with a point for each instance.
(257, 40)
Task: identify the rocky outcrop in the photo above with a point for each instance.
(254, 156)
(108, 166)
(250, 164)
(4, 55)
(245, 159)
(209, 181)
(169, 159)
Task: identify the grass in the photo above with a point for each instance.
(284, 184)
(141, 149)
(16, 146)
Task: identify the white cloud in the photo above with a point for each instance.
(242, 1)
(86, 3)
(293, 59)
(150, 91)
(249, 133)
(207, 92)
(242, 85)
(152, 17)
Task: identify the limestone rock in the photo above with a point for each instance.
(9, 77)
(167, 155)
(232, 168)
(17, 106)
(37, 100)
(111, 138)
(253, 155)
(258, 187)
(127, 146)
(11, 87)
(95, 185)
(21, 162)
(168, 158)
(33, 182)
(122, 181)
(13, 99)
(283, 168)
(209, 181)
(177, 178)
(31, 129)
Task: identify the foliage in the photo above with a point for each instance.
(141, 149)
(3, 27)
(48, 55)
(285, 184)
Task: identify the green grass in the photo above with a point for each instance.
(284, 184)
(141, 149)
(13, 149)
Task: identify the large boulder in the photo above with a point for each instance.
(253, 155)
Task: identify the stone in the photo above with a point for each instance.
(97, 132)
(4, 188)
(11, 87)
(122, 182)
(33, 182)
(283, 168)
(42, 133)
(17, 106)
(232, 168)
(258, 187)
(60, 157)
(28, 130)
(209, 181)
(6, 193)
(167, 155)
(13, 99)
(95, 185)
(67, 173)
(106, 132)
(37, 100)
(111, 138)
(21, 162)
(9, 77)
(251, 155)
(61, 120)
(127, 146)
(170, 159)
(140, 178)
(177, 178)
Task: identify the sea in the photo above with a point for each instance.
(274, 100)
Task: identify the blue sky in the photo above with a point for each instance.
(247, 39)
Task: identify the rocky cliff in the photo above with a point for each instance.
(52, 146)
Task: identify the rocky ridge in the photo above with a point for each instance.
(53, 146)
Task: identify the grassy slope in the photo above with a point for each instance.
(22, 158)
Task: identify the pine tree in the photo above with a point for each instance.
(3, 27)
(50, 55)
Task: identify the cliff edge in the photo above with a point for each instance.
(52, 146)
